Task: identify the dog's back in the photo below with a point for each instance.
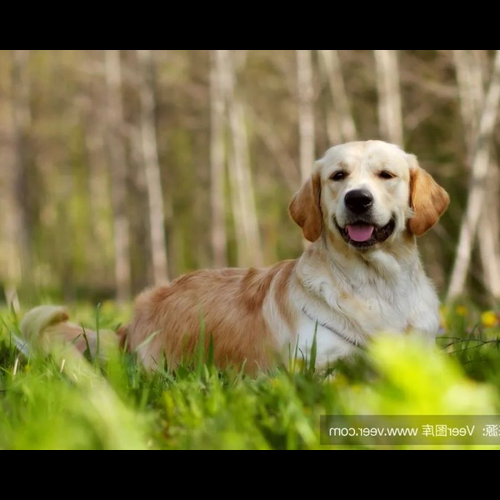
(226, 305)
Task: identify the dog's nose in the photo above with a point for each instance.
(359, 201)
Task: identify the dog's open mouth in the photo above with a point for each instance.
(363, 235)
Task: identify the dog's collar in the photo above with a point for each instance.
(329, 328)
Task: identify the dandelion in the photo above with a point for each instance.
(462, 311)
(490, 319)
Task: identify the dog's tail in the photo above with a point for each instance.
(47, 327)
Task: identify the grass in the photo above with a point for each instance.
(57, 403)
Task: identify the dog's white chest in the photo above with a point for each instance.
(330, 345)
(344, 317)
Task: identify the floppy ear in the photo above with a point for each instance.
(305, 208)
(428, 200)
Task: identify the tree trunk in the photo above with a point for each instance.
(20, 228)
(332, 68)
(306, 112)
(94, 119)
(217, 160)
(489, 231)
(152, 166)
(242, 192)
(471, 94)
(143, 272)
(479, 184)
(21, 114)
(390, 109)
(118, 165)
(471, 79)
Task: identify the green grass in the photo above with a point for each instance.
(56, 403)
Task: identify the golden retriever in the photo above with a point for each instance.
(362, 209)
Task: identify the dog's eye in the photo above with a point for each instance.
(386, 175)
(339, 176)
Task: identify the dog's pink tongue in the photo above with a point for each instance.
(360, 233)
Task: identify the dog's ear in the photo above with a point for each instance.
(305, 208)
(428, 199)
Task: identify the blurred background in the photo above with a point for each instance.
(120, 169)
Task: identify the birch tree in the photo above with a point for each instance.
(478, 194)
(471, 78)
(242, 190)
(93, 111)
(342, 120)
(10, 261)
(390, 109)
(217, 158)
(151, 161)
(20, 224)
(118, 167)
(305, 84)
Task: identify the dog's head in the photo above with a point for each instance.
(368, 193)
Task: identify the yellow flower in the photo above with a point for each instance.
(443, 313)
(275, 382)
(490, 319)
(462, 311)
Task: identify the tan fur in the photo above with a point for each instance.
(47, 327)
(305, 208)
(428, 200)
(228, 303)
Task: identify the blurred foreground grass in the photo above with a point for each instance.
(49, 404)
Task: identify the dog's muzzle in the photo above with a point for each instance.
(363, 234)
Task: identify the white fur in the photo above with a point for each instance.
(330, 346)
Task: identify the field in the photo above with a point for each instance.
(122, 170)
(57, 403)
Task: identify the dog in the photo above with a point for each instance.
(362, 210)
